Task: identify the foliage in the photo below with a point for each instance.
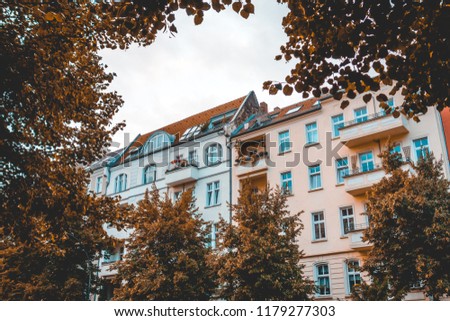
(259, 257)
(410, 232)
(336, 45)
(167, 257)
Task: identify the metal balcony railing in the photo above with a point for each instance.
(370, 117)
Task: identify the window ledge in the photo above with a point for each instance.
(215, 205)
(285, 152)
(343, 237)
(307, 145)
(319, 241)
(289, 195)
(315, 190)
(335, 138)
(340, 184)
(323, 297)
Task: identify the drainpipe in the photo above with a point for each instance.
(230, 164)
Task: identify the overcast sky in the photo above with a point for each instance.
(201, 67)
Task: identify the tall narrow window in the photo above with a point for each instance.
(312, 135)
(322, 275)
(284, 142)
(337, 122)
(353, 274)
(120, 183)
(318, 221)
(366, 161)
(213, 193)
(193, 158)
(347, 219)
(421, 147)
(149, 174)
(315, 180)
(98, 186)
(341, 169)
(286, 183)
(361, 114)
(213, 154)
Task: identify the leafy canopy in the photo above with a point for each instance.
(167, 257)
(410, 230)
(259, 258)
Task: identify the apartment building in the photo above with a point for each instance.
(191, 153)
(325, 159)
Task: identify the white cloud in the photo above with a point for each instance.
(201, 67)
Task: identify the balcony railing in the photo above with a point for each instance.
(181, 172)
(372, 127)
(357, 170)
(358, 181)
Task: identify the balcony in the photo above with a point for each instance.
(376, 126)
(181, 172)
(355, 237)
(358, 182)
(251, 156)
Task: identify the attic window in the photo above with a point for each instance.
(221, 119)
(191, 132)
(157, 142)
(293, 110)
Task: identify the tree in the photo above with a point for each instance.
(410, 231)
(167, 255)
(55, 118)
(259, 255)
(336, 44)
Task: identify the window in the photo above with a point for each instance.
(360, 114)
(284, 142)
(353, 274)
(193, 157)
(149, 174)
(341, 169)
(391, 106)
(421, 147)
(337, 122)
(211, 243)
(213, 154)
(286, 183)
(318, 221)
(315, 180)
(312, 135)
(396, 149)
(98, 186)
(322, 275)
(347, 219)
(366, 161)
(213, 193)
(176, 196)
(157, 142)
(121, 183)
(116, 255)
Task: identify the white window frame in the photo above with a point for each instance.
(315, 177)
(98, 185)
(347, 218)
(213, 193)
(193, 157)
(213, 154)
(351, 273)
(312, 133)
(341, 169)
(120, 183)
(286, 183)
(363, 162)
(284, 139)
(321, 275)
(146, 174)
(423, 149)
(336, 125)
(361, 117)
(320, 223)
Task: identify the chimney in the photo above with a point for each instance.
(277, 109)
(263, 107)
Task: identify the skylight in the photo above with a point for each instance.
(191, 132)
(293, 110)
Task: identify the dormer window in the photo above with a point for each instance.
(157, 142)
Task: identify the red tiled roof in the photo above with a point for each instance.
(178, 128)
